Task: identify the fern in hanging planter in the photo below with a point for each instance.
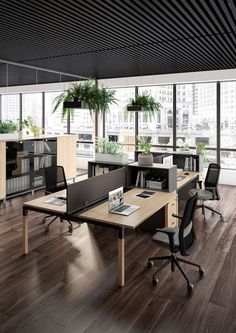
(146, 103)
(85, 95)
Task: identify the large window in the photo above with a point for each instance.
(82, 125)
(196, 119)
(119, 123)
(228, 124)
(196, 114)
(10, 107)
(32, 106)
(159, 129)
(53, 121)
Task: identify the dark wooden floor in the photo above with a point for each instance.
(68, 283)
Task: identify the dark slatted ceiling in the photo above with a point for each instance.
(115, 38)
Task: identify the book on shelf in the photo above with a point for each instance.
(190, 164)
(137, 179)
(143, 175)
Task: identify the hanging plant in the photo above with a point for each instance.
(144, 102)
(87, 93)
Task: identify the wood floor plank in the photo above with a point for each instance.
(68, 283)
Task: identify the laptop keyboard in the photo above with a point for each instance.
(121, 208)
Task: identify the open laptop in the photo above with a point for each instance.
(116, 203)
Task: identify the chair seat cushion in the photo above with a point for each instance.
(163, 238)
(202, 194)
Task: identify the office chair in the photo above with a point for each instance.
(211, 191)
(182, 239)
(55, 181)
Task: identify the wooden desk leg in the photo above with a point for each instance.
(25, 232)
(166, 216)
(121, 257)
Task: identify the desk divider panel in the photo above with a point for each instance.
(91, 190)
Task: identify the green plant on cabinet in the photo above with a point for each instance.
(8, 126)
(109, 151)
(201, 149)
(144, 146)
(146, 157)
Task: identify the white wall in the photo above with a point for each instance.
(228, 177)
(222, 75)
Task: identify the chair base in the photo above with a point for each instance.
(174, 261)
(70, 228)
(213, 211)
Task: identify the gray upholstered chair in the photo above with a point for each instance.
(210, 191)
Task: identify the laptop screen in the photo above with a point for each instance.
(115, 198)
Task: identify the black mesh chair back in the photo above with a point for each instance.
(187, 236)
(212, 179)
(55, 179)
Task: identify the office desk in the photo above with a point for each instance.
(192, 175)
(99, 215)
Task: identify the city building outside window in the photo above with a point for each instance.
(228, 124)
(119, 123)
(159, 127)
(196, 116)
(32, 106)
(54, 124)
(10, 107)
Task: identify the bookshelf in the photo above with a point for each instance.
(24, 162)
(155, 177)
(96, 168)
(187, 161)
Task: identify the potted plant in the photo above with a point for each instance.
(33, 127)
(201, 150)
(85, 94)
(183, 146)
(110, 151)
(144, 102)
(7, 126)
(145, 158)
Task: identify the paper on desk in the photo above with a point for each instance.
(55, 201)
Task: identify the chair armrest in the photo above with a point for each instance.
(199, 182)
(170, 235)
(177, 216)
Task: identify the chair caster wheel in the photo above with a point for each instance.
(190, 288)
(154, 282)
(201, 272)
(70, 230)
(150, 264)
(47, 229)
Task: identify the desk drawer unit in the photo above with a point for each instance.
(172, 209)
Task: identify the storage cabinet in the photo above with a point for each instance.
(157, 176)
(99, 168)
(183, 160)
(172, 208)
(24, 162)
